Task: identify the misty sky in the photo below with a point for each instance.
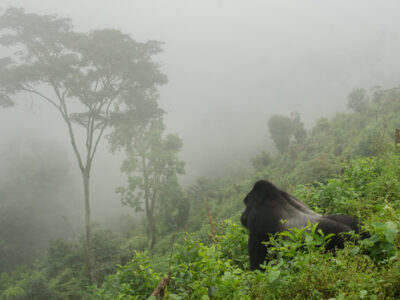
(231, 65)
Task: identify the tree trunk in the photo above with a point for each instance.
(89, 257)
(152, 229)
(149, 205)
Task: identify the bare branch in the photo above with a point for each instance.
(34, 91)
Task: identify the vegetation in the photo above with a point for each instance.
(298, 268)
(283, 128)
(359, 177)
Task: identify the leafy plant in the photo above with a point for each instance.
(135, 280)
(382, 243)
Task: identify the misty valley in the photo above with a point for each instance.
(107, 202)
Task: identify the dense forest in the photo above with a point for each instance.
(186, 240)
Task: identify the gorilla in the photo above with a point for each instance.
(267, 206)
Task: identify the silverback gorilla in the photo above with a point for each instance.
(266, 206)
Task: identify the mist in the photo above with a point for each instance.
(231, 65)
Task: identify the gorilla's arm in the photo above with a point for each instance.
(257, 251)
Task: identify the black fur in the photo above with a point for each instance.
(266, 206)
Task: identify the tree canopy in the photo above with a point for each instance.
(152, 165)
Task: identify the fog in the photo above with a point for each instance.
(231, 65)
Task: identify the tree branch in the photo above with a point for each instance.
(33, 91)
(89, 142)
(64, 113)
(88, 130)
(107, 116)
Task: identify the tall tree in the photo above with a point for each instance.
(358, 100)
(89, 78)
(152, 163)
(298, 130)
(280, 128)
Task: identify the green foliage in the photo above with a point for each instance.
(207, 272)
(333, 142)
(366, 186)
(62, 258)
(261, 160)
(233, 244)
(283, 128)
(372, 141)
(298, 130)
(61, 274)
(381, 245)
(287, 244)
(317, 169)
(106, 246)
(135, 280)
(64, 261)
(173, 210)
(357, 100)
(27, 285)
(298, 268)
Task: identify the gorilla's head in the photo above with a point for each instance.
(256, 200)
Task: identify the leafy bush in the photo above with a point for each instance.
(298, 267)
(135, 280)
(365, 187)
(381, 245)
